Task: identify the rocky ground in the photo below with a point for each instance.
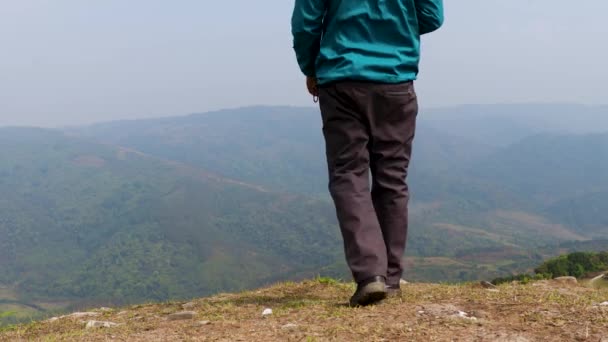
(316, 311)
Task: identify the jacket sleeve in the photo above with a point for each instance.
(430, 15)
(307, 29)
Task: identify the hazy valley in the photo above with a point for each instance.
(133, 211)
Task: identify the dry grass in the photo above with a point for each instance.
(316, 311)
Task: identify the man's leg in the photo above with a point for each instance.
(393, 124)
(346, 130)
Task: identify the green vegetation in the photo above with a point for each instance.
(578, 264)
(575, 264)
(87, 224)
(232, 200)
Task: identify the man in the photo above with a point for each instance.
(360, 58)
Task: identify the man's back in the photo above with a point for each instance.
(368, 126)
(370, 40)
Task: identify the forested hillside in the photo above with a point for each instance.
(84, 221)
(179, 207)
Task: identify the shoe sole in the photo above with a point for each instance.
(372, 298)
(374, 293)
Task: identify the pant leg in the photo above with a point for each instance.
(393, 124)
(346, 130)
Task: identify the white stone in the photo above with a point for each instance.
(465, 315)
(603, 304)
(100, 324)
(201, 323)
(267, 312)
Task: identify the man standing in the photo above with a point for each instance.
(360, 58)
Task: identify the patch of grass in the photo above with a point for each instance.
(327, 281)
(319, 311)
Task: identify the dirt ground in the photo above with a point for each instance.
(316, 311)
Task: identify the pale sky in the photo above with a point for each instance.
(68, 62)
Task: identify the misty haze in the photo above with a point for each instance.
(154, 152)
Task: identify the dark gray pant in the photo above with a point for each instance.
(370, 126)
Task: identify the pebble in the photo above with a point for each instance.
(100, 324)
(201, 323)
(603, 304)
(465, 315)
(180, 316)
(266, 312)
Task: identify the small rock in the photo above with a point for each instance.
(493, 290)
(289, 326)
(403, 282)
(189, 306)
(566, 280)
(267, 312)
(100, 324)
(603, 304)
(180, 316)
(201, 323)
(487, 285)
(462, 314)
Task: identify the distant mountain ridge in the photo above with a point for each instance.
(188, 206)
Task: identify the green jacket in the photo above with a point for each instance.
(370, 40)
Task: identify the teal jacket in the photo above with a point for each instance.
(370, 40)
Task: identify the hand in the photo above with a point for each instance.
(311, 84)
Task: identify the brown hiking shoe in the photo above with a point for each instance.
(369, 291)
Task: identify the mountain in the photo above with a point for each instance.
(276, 147)
(460, 206)
(187, 206)
(503, 125)
(81, 221)
(586, 213)
(549, 166)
